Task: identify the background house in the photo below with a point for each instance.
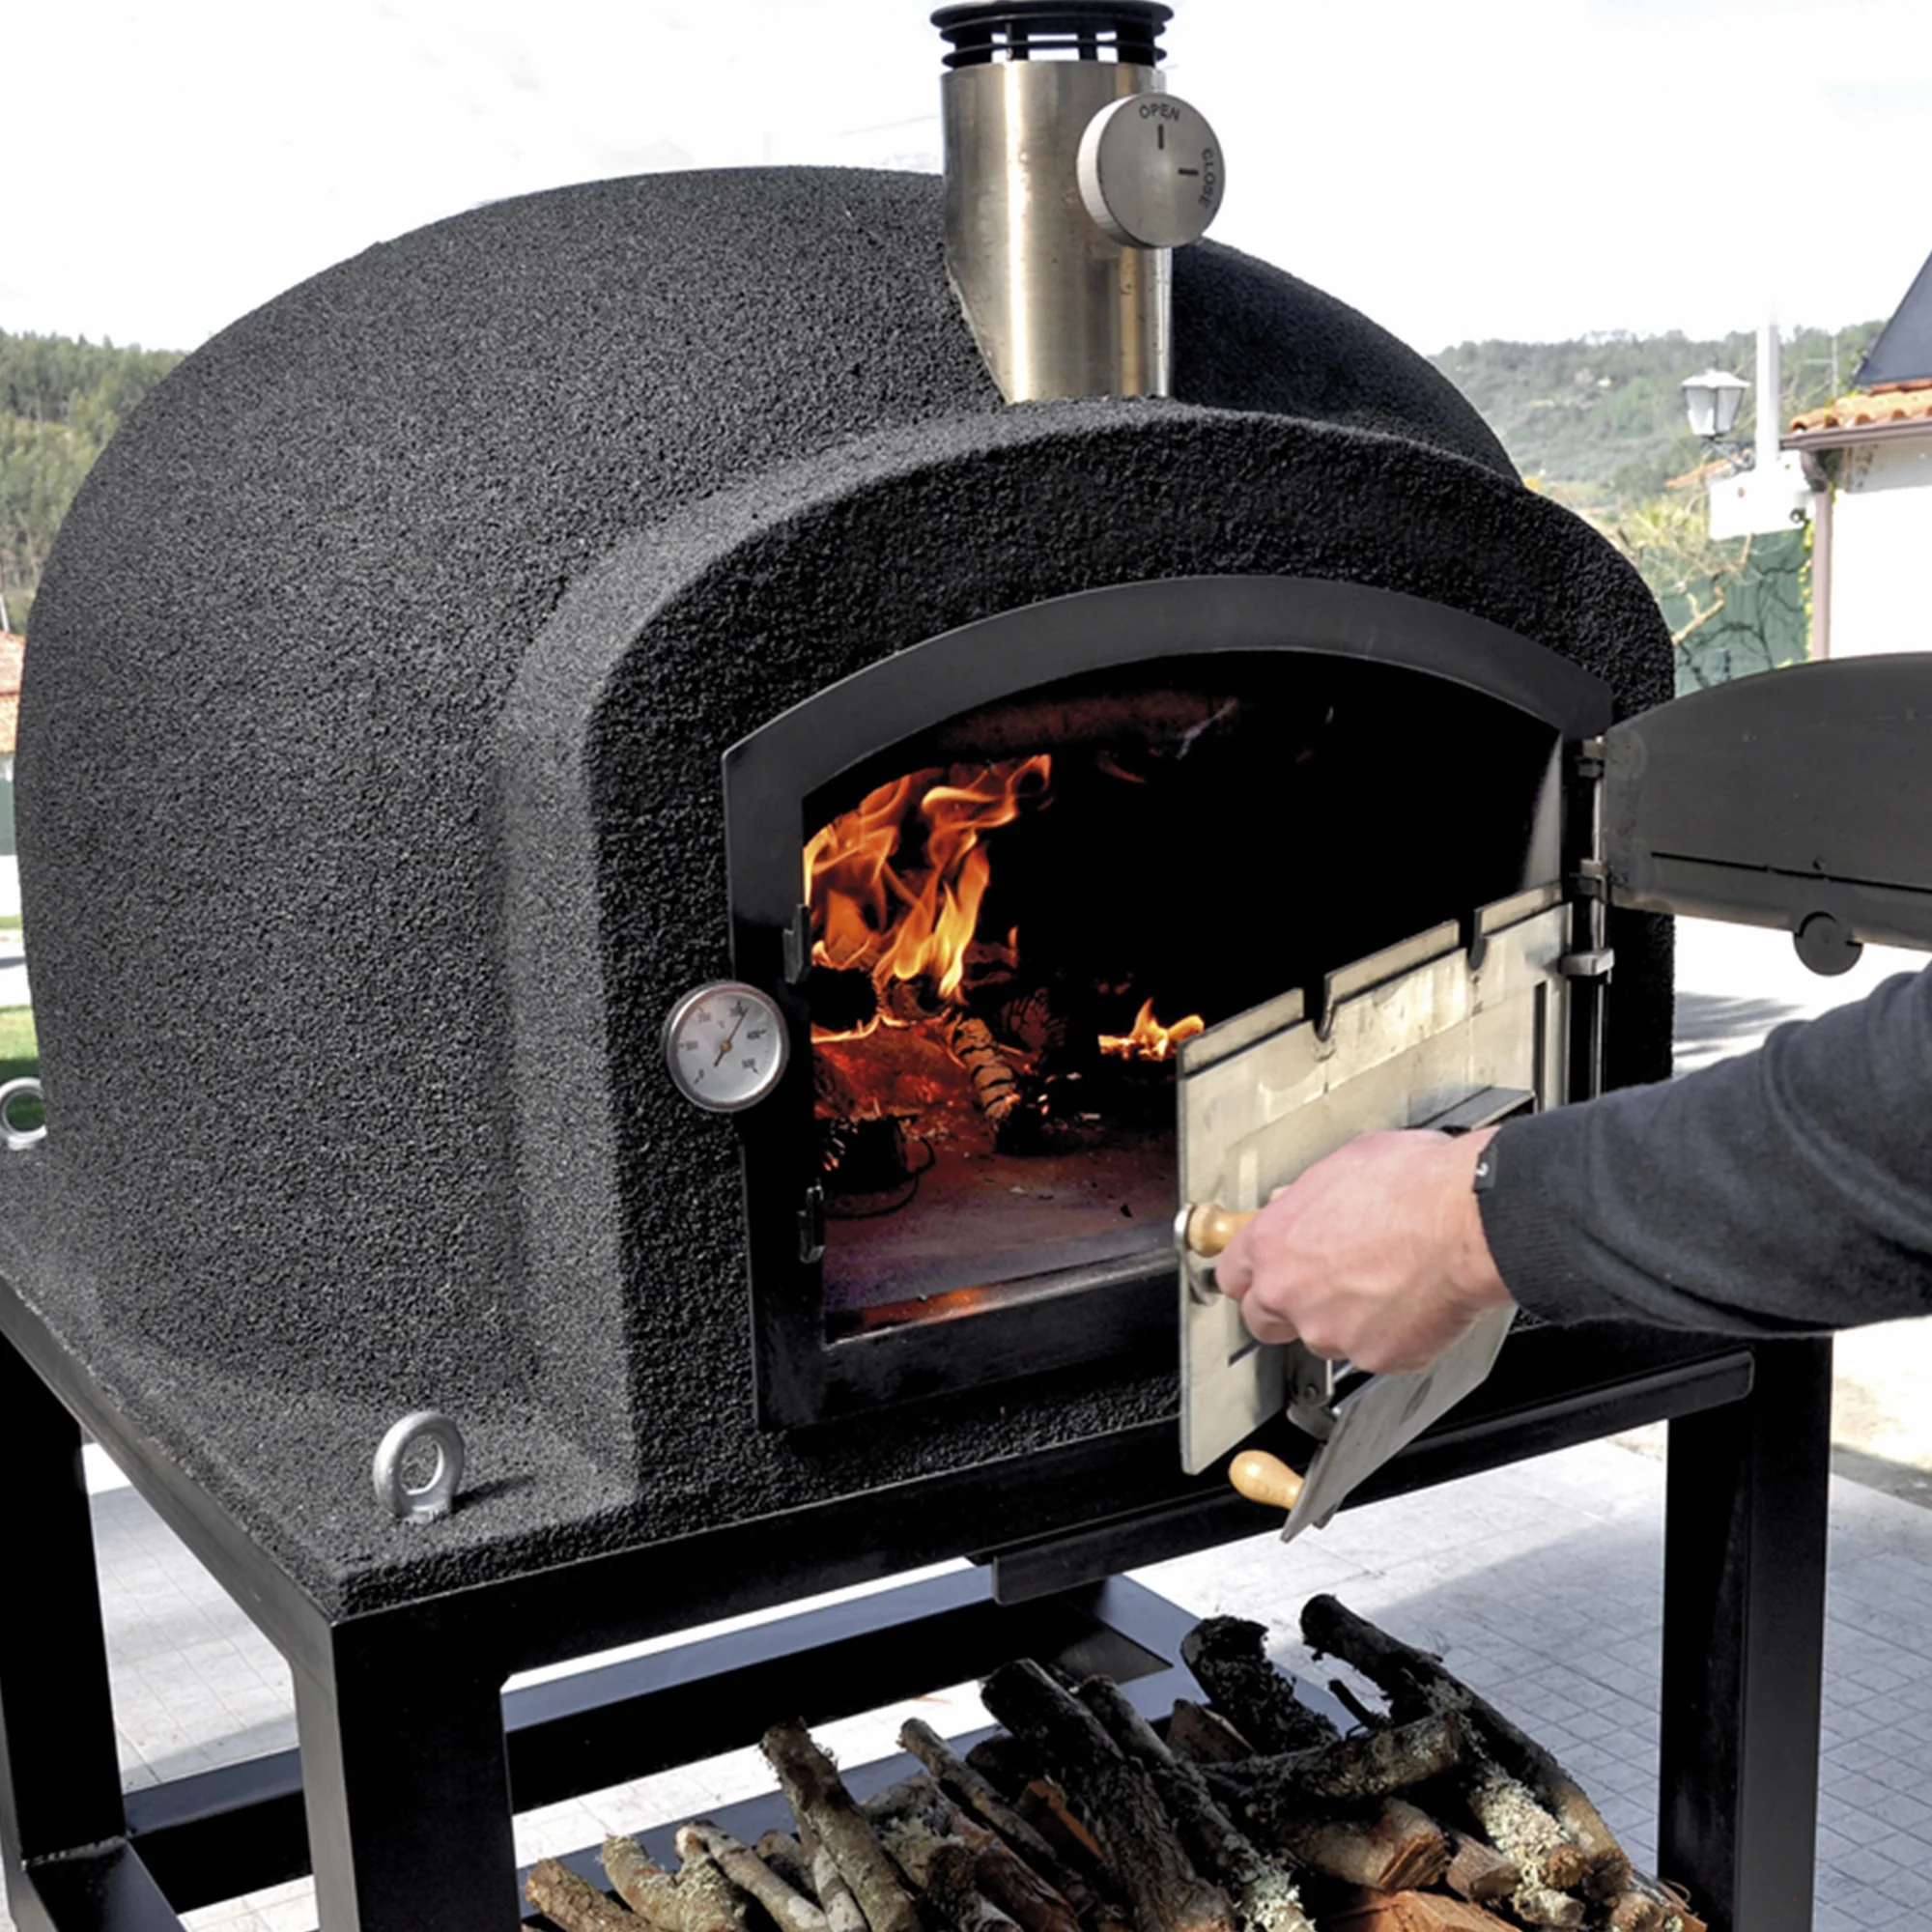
(1874, 531)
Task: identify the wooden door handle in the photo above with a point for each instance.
(1264, 1479)
(1209, 1228)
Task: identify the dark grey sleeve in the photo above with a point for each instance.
(1790, 1188)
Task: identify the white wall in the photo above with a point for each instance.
(1881, 541)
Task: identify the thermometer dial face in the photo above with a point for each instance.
(726, 1045)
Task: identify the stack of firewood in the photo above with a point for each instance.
(1248, 1814)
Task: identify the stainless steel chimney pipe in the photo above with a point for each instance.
(1058, 239)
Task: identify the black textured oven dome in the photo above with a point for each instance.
(322, 659)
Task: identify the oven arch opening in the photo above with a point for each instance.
(1178, 800)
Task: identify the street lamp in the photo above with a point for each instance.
(1712, 400)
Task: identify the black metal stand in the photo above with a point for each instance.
(1744, 1635)
(412, 1761)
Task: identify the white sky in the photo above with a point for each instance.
(1525, 168)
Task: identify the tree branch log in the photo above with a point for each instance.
(1010, 1882)
(1265, 1891)
(574, 1903)
(1114, 1798)
(1368, 1765)
(1478, 1871)
(697, 1899)
(835, 1894)
(1229, 1659)
(1414, 1681)
(782, 1853)
(790, 1911)
(976, 1796)
(1396, 1848)
(1203, 1736)
(1520, 1828)
(820, 1802)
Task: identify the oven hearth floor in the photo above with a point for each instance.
(196, 1686)
(1005, 1219)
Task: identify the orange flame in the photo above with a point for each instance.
(896, 886)
(1149, 1039)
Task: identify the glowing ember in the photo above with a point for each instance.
(1149, 1039)
(896, 886)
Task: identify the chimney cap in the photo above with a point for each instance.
(983, 30)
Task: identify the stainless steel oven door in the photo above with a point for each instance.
(1431, 1032)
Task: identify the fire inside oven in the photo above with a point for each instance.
(1017, 915)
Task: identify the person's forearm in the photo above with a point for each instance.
(1789, 1188)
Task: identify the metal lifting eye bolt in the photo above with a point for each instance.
(18, 1138)
(426, 1427)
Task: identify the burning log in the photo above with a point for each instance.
(1227, 1656)
(1414, 1681)
(1115, 1798)
(840, 998)
(823, 1806)
(992, 1078)
(697, 1899)
(1265, 1898)
(790, 1911)
(1392, 1757)
(574, 1903)
(995, 1080)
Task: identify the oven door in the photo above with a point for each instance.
(1432, 1033)
(1798, 799)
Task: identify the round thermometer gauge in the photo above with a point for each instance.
(726, 1045)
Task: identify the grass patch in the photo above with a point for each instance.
(10, 921)
(20, 1047)
(20, 1059)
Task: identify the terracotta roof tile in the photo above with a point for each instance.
(1896, 402)
(11, 648)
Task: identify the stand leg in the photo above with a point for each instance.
(1744, 1624)
(406, 1783)
(60, 1779)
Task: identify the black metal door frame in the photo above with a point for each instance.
(801, 1376)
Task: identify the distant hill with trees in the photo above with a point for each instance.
(60, 401)
(1597, 423)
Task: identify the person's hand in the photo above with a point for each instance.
(1374, 1256)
